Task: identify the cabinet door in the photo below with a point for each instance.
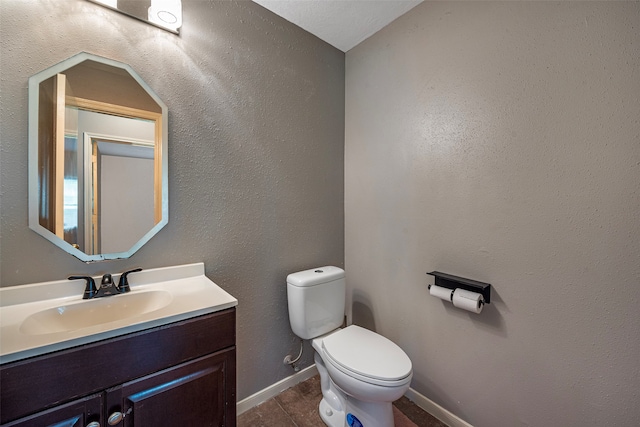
(194, 394)
(79, 413)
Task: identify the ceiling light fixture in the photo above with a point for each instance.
(166, 14)
(109, 3)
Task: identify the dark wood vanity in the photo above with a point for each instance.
(180, 374)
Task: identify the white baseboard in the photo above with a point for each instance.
(436, 410)
(275, 389)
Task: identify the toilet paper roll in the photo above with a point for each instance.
(440, 292)
(467, 300)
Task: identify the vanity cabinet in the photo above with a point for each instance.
(180, 374)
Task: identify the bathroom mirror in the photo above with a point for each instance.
(97, 158)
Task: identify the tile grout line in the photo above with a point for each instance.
(285, 411)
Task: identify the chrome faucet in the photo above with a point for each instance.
(107, 285)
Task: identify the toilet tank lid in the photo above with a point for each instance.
(315, 276)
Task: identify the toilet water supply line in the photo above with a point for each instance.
(288, 361)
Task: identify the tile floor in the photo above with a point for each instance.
(298, 407)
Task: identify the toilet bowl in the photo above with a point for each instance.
(365, 371)
(361, 372)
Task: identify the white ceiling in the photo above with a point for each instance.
(341, 23)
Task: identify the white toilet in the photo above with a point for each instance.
(361, 372)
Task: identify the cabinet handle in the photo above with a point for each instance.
(115, 418)
(93, 424)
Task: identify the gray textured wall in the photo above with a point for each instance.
(500, 141)
(256, 133)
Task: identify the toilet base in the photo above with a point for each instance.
(331, 417)
(367, 413)
(370, 414)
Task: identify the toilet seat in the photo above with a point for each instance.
(367, 356)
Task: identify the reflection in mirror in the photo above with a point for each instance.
(98, 177)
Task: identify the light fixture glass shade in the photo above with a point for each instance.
(110, 3)
(166, 13)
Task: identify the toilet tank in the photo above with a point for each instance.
(316, 301)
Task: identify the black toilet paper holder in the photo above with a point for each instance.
(452, 282)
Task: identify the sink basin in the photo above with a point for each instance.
(40, 318)
(86, 313)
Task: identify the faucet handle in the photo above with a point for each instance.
(123, 283)
(90, 289)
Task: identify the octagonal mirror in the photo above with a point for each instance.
(97, 158)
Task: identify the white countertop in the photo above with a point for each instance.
(191, 294)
